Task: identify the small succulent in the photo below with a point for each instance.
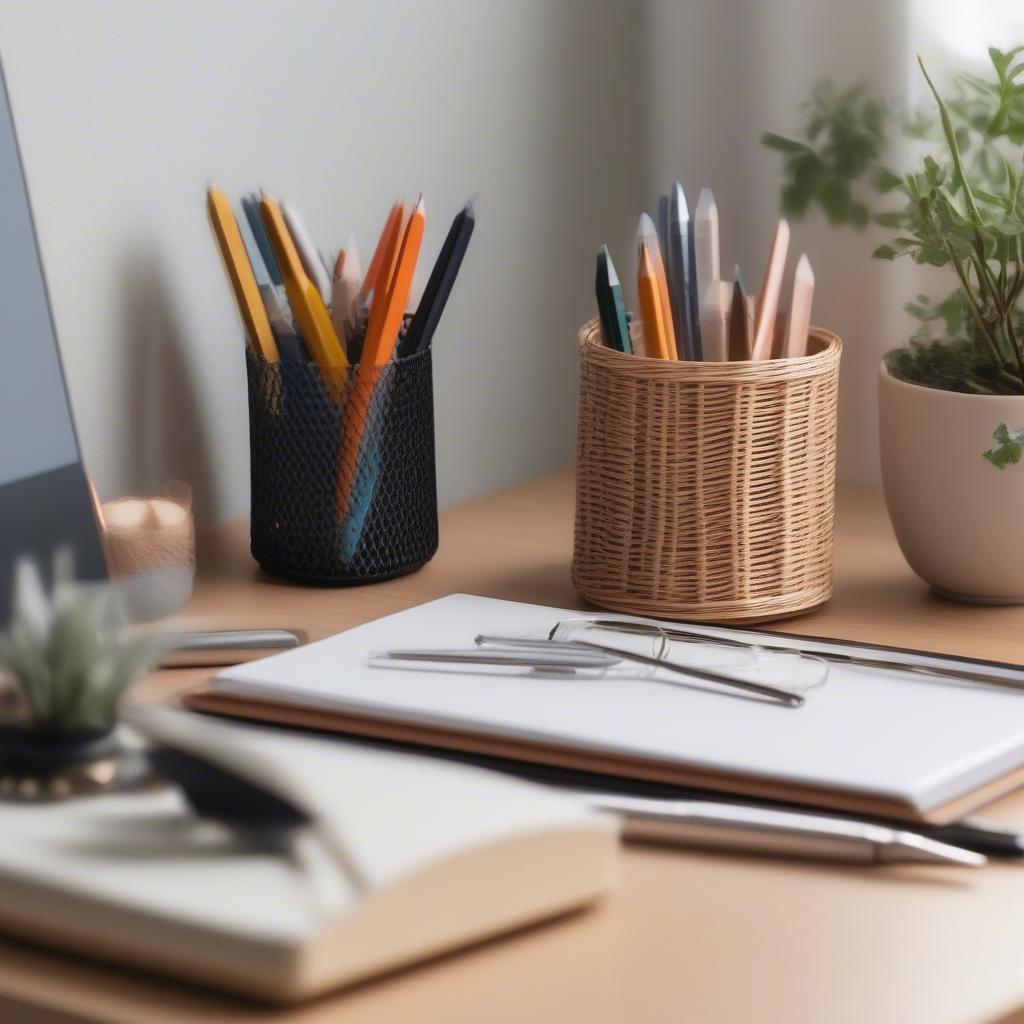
(68, 664)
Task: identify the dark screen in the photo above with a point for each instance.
(44, 496)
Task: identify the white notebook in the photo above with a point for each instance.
(877, 741)
(445, 855)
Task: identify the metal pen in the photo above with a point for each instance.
(761, 830)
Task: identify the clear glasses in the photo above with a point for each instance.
(677, 657)
(588, 647)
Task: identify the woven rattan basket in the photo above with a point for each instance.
(706, 491)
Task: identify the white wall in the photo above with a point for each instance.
(127, 110)
(564, 118)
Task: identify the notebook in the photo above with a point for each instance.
(436, 856)
(874, 742)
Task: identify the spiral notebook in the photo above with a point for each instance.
(879, 742)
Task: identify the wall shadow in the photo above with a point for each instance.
(167, 438)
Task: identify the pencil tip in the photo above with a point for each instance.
(613, 277)
(680, 211)
(706, 201)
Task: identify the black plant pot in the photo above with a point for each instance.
(41, 752)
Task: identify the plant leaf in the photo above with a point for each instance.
(1008, 449)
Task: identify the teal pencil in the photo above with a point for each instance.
(611, 308)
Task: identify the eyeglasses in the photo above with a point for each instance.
(611, 647)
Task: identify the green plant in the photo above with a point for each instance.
(844, 138)
(66, 659)
(1008, 449)
(963, 209)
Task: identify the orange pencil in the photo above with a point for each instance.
(655, 338)
(381, 336)
(648, 235)
(388, 238)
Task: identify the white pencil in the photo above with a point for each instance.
(308, 254)
(714, 321)
(705, 241)
(800, 309)
(768, 297)
(345, 290)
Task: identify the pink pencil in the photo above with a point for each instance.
(768, 297)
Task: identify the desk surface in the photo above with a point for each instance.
(688, 935)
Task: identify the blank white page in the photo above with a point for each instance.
(920, 740)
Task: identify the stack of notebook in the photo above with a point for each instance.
(858, 743)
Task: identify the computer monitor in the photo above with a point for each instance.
(44, 495)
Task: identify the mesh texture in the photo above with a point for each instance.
(342, 470)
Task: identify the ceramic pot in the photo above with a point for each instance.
(956, 516)
(42, 752)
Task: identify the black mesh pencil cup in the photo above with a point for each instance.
(342, 470)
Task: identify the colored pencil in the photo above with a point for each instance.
(243, 280)
(386, 316)
(439, 285)
(678, 230)
(651, 307)
(800, 310)
(614, 327)
(310, 313)
(768, 297)
(647, 235)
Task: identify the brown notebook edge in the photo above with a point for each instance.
(208, 699)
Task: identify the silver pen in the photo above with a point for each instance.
(215, 647)
(761, 830)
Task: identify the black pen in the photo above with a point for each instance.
(979, 836)
(439, 287)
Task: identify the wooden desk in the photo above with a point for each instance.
(694, 937)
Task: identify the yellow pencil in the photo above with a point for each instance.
(243, 281)
(655, 338)
(304, 297)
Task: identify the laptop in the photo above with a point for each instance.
(45, 501)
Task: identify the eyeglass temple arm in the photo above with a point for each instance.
(787, 697)
(836, 657)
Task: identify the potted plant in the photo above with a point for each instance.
(64, 667)
(951, 401)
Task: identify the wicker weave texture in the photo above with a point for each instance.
(706, 491)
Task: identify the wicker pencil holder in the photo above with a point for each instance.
(706, 491)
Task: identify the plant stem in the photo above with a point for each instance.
(1017, 382)
(987, 283)
(950, 133)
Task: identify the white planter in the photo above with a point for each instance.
(957, 517)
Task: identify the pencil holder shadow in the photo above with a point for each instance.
(342, 470)
(706, 491)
